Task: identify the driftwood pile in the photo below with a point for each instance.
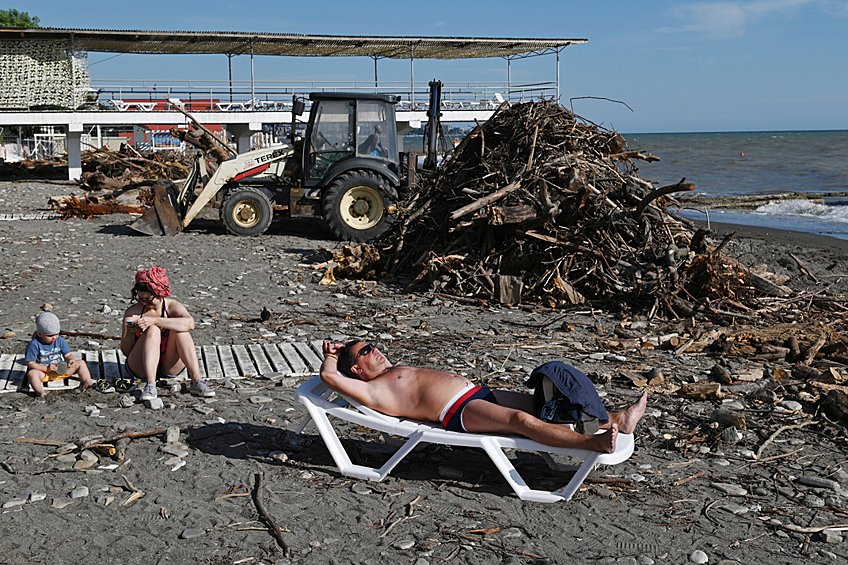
(537, 204)
(52, 168)
(104, 169)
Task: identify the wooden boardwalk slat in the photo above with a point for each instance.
(294, 359)
(277, 359)
(310, 356)
(318, 348)
(213, 365)
(228, 363)
(263, 366)
(111, 365)
(200, 362)
(92, 360)
(17, 375)
(248, 370)
(6, 361)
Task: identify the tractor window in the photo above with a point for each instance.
(372, 124)
(331, 139)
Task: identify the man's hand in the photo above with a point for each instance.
(52, 368)
(331, 348)
(72, 365)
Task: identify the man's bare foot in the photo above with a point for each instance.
(605, 442)
(628, 418)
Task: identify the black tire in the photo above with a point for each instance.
(356, 206)
(246, 212)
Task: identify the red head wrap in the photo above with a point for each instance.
(157, 279)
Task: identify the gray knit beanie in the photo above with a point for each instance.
(47, 323)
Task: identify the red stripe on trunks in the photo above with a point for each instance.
(452, 410)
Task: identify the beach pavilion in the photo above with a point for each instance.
(56, 95)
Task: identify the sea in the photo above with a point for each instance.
(760, 167)
(746, 167)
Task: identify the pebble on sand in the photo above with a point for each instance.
(698, 556)
(192, 533)
(79, 492)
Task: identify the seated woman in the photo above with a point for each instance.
(156, 338)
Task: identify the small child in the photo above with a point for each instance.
(46, 350)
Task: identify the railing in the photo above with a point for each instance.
(200, 95)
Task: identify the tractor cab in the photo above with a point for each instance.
(350, 131)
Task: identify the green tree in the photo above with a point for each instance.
(14, 18)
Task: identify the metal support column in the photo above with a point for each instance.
(252, 90)
(412, 77)
(509, 78)
(557, 98)
(230, 66)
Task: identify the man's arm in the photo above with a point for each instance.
(330, 376)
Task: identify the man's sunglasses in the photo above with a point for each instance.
(365, 350)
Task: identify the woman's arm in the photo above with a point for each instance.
(128, 329)
(178, 318)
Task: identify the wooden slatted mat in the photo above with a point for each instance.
(216, 363)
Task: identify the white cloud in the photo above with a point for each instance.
(721, 20)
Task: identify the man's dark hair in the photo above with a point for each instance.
(347, 359)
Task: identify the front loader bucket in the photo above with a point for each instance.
(163, 218)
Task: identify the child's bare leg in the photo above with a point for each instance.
(81, 369)
(35, 377)
(630, 416)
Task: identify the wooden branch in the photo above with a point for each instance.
(263, 515)
(176, 106)
(632, 155)
(477, 204)
(89, 334)
(131, 434)
(679, 187)
(778, 432)
(804, 268)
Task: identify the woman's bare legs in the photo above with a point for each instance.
(143, 360)
(181, 353)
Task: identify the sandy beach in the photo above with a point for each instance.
(684, 493)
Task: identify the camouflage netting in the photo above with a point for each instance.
(42, 73)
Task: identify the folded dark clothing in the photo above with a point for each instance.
(573, 385)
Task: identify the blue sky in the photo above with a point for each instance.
(765, 65)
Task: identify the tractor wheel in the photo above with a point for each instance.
(357, 205)
(246, 212)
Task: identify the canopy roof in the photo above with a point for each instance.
(289, 44)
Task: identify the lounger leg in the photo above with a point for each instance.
(340, 456)
(520, 487)
(579, 476)
(512, 477)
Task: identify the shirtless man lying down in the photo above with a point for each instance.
(438, 396)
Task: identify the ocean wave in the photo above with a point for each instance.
(805, 209)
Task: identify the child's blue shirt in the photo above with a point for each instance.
(45, 354)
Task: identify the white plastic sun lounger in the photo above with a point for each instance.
(315, 395)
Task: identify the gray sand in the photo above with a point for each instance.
(440, 504)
